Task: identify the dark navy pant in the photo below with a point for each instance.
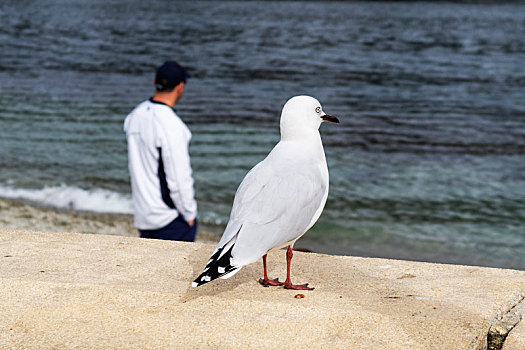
(177, 230)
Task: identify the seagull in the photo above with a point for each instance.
(279, 199)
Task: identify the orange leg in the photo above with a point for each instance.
(266, 282)
(288, 283)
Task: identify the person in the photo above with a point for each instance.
(159, 162)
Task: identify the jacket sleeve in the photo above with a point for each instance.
(177, 167)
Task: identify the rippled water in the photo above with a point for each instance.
(428, 162)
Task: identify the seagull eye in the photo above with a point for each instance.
(318, 109)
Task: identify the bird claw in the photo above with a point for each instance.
(267, 282)
(297, 286)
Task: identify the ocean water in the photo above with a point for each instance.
(428, 162)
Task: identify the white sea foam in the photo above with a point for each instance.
(63, 196)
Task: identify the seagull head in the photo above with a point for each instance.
(303, 115)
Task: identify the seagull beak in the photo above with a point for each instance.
(329, 118)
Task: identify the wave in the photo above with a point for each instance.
(68, 197)
(93, 200)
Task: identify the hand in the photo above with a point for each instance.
(191, 222)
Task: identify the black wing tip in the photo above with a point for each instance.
(215, 268)
(206, 277)
(199, 281)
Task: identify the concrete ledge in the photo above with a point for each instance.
(516, 338)
(62, 291)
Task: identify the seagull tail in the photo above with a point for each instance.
(218, 266)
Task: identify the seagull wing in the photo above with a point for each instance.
(277, 202)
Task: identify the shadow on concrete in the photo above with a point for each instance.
(197, 261)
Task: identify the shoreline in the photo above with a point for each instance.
(19, 214)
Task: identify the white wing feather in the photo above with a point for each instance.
(277, 202)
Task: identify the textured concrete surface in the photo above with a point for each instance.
(63, 291)
(516, 338)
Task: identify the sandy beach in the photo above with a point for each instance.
(21, 215)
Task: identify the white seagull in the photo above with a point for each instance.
(279, 199)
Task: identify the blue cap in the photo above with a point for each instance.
(169, 75)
